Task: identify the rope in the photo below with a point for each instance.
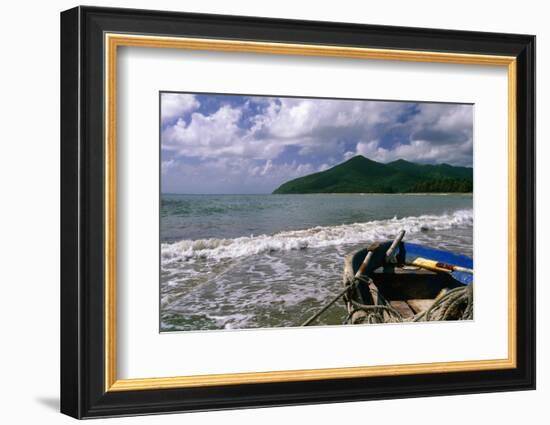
(456, 304)
(374, 313)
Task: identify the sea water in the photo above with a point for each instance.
(250, 261)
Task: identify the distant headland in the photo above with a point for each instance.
(363, 175)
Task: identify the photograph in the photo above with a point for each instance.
(287, 210)
(281, 211)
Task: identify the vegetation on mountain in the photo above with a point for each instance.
(363, 175)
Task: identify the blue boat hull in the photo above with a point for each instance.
(413, 251)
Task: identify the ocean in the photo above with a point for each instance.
(262, 261)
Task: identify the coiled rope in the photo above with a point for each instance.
(456, 304)
(382, 312)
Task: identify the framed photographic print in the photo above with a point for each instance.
(261, 212)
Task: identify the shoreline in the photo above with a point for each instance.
(320, 193)
(379, 193)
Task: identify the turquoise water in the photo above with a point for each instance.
(248, 261)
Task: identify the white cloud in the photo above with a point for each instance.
(316, 126)
(175, 105)
(207, 136)
(349, 154)
(166, 166)
(230, 175)
(268, 166)
(243, 149)
(451, 124)
(418, 151)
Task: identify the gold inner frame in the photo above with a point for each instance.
(113, 41)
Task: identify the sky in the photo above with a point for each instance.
(214, 144)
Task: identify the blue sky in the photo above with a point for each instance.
(252, 144)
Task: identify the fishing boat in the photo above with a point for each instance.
(396, 281)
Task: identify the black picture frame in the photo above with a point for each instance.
(83, 392)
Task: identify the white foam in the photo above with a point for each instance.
(316, 237)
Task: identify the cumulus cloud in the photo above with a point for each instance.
(269, 140)
(451, 124)
(315, 125)
(207, 136)
(418, 151)
(174, 105)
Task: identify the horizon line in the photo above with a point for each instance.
(319, 193)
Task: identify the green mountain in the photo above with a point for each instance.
(362, 175)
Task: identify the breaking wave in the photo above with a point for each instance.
(316, 237)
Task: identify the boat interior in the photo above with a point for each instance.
(408, 289)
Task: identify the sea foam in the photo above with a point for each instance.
(316, 237)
